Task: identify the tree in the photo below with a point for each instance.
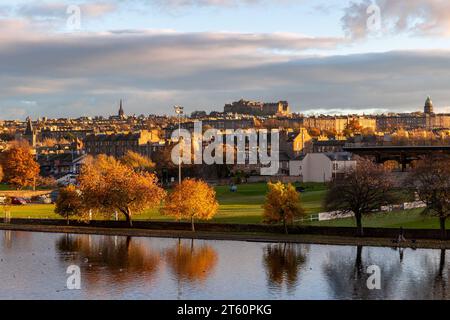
(352, 127)
(1, 174)
(46, 182)
(19, 167)
(192, 199)
(314, 132)
(282, 204)
(137, 162)
(69, 202)
(430, 179)
(361, 190)
(108, 185)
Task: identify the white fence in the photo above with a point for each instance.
(326, 216)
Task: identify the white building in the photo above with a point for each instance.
(321, 167)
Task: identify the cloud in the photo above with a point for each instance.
(72, 75)
(415, 17)
(58, 10)
(210, 3)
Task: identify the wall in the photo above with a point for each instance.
(409, 234)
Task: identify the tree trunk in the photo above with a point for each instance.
(443, 231)
(67, 220)
(442, 262)
(358, 262)
(128, 217)
(192, 224)
(359, 227)
(285, 226)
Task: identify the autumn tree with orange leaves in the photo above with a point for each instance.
(69, 203)
(192, 199)
(138, 162)
(107, 185)
(282, 204)
(19, 167)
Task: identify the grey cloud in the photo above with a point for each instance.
(87, 74)
(417, 17)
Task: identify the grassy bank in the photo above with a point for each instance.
(410, 219)
(244, 207)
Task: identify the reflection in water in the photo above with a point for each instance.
(119, 259)
(190, 262)
(282, 263)
(33, 266)
(427, 279)
(12, 239)
(434, 283)
(348, 279)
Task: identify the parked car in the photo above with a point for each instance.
(43, 199)
(18, 201)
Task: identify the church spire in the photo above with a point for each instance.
(29, 130)
(121, 112)
(29, 134)
(428, 106)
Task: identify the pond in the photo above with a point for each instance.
(54, 266)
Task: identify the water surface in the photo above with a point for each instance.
(34, 265)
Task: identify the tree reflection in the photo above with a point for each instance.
(13, 239)
(282, 263)
(118, 258)
(433, 283)
(347, 278)
(191, 263)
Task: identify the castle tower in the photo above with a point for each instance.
(428, 109)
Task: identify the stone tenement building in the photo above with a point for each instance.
(337, 123)
(409, 121)
(118, 144)
(220, 124)
(257, 108)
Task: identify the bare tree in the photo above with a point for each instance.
(430, 179)
(361, 190)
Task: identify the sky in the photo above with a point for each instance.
(64, 58)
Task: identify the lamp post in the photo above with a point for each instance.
(179, 111)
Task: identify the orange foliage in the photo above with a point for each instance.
(190, 263)
(137, 162)
(282, 204)
(19, 167)
(192, 199)
(69, 203)
(117, 259)
(108, 185)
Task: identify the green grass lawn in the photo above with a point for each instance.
(410, 219)
(245, 206)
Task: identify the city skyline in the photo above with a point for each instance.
(321, 56)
